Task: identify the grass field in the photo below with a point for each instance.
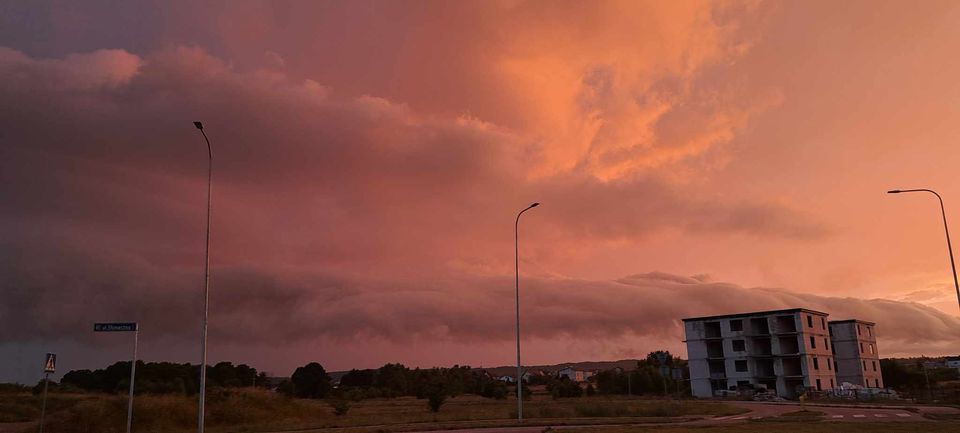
(264, 411)
(257, 410)
(767, 427)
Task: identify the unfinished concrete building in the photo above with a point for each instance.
(786, 351)
(857, 359)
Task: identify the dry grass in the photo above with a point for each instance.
(24, 406)
(822, 427)
(258, 411)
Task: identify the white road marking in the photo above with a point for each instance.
(879, 415)
(859, 416)
(837, 416)
(741, 417)
(903, 415)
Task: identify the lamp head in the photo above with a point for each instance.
(198, 125)
(535, 205)
(894, 191)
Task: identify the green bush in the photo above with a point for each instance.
(340, 406)
(435, 401)
(564, 388)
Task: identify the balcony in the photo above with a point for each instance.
(761, 347)
(712, 330)
(785, 325)
(759, 326)
(788, 345)
(715, 349)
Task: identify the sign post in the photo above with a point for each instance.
(49, 366)
(125, 327)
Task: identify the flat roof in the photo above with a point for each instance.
(851, 320)
(755, 313)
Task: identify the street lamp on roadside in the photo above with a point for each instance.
(946, 230)
(516, 250)
(206, 283)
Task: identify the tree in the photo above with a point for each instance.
(286, 388)
(359, 378)
(340, 403)
(611, 382)
(436, 393)
(590, 390)
(492, 388)
(392, 379)
(653, 358)
(311, 381)
(564, 388)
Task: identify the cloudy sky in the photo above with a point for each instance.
(691, 158)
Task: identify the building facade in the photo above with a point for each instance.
(574, 374)
(855, 352)
(785, 351)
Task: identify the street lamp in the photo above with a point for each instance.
(516, 250)
(206, 283)
(943, 212)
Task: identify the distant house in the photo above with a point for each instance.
(574, 374)
(510, 378)
(953, 362)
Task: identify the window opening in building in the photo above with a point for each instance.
(739, 346)
(736, 325)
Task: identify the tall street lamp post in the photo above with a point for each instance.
(206, 283)
(946, 230)
(516, 250)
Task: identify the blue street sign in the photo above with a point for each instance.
(115, 327)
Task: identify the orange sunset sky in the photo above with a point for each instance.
(691, 158)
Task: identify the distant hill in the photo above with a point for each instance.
(506, 370)
(626, 364)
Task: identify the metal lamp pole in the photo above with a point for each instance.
(206, 283)
(946, 230)
(516, 250)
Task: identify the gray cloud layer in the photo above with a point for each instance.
(335, 217)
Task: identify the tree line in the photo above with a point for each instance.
(391, 380)
(162, 377)
(912, 377)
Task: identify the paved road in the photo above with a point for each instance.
(832, 413)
